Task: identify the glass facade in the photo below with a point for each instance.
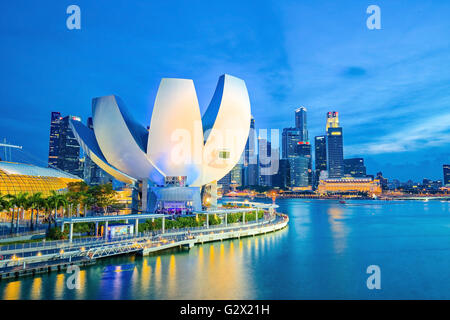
(335, 154)
(54, 139)
(355, 167)
(446, 168)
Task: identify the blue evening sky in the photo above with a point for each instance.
(390, 86)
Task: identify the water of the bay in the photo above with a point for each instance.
(323, 254)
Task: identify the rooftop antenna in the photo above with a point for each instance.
(7, 147)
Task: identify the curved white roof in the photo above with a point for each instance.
(32, 170)
(180, 141)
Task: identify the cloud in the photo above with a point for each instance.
(424, 133)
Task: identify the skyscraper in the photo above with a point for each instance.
(225, 183)
(335, 146)
(304, 150)
(320, 153)
(64, 150)
(290, 139)
(55, 121)
(250, 165)
(282, 178)
(264, 163)
(69, 148)
(446, 168)
(301, 123)
(236, 174)
(297, 150)
(355, 167)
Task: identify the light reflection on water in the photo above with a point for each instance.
(322, 254)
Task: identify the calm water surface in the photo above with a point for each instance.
(323, 254)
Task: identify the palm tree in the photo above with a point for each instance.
(47, 205)
(22, 203)
(35, 202)
(4, 203)
(52, 202)
(42, 203)
(57, 200)
(12, 199)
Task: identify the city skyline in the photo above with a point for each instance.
(380, 90)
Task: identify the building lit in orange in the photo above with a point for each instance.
(18, 178)
(349, 184)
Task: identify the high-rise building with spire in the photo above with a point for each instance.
(301, 123)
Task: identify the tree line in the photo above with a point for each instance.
(59, 204)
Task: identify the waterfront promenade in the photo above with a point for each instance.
(28, 259)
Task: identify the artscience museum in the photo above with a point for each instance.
(181, 151)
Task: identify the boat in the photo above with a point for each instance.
(342, 201)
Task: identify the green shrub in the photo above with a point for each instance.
(56, 234)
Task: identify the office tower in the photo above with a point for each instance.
(92, 173)
(320, 153)
(304, 150)
(355, 167)
(282, 178)
(251, 172)
(225, 183)
(290, 139)
(264, 163)
(55, 121)
(68, 154)
(335, 152)
(236, 174)
(301, 123)
(299, 177)
(446, 168)
(250, 164)
(298, 153)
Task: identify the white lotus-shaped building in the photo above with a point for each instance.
(180, 142)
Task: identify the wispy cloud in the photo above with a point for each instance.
(424, 133)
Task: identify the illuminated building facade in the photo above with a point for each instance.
(446, 169)
(301, 123)
(335, 146)
(264, 163)
(297, 150)
(355, 167)
(349, 185)
(64, 149)
(320, 154)
(54, 141)
(250, 163)
(236, 174)
(18, 178)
